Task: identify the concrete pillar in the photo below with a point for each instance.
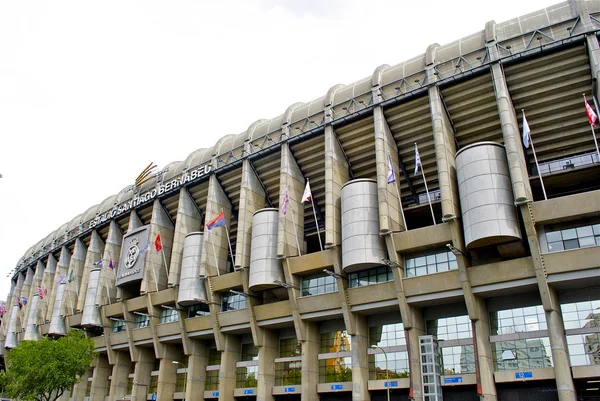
(188, 220)
(291, 178)
(560, 353)
(167, 372)
(142, 373)
(390, 216)
(100, 378)
(445, 151)
(216, 202)
(93, 255)
(155, 261)
(196, 377)
(76, 267)
(336, 175)
(231, 354)
(80, 388)
(252, 198)
(484, 351)
(120, 375)
(266, 366)
(360, 363)
(62, 268)
(310, 362)
(48, 283)
(27, 284)
(112, 251)
(412, 339)
(32, 321)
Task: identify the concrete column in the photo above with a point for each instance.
(62, 268)
(6, 319)
(484, 351)
(76, 266)
(216, 202)
(390, 216)
(445, 151)
(291, 178)
(196, 377)
(25, 290)
(266, 367)
(167, 372)
(360, 363)
(310, 362)
(112, 251)
(80, 388)
(252, 198)
(100, 378)
(48, 283)
(93, 255)
(134, 221)
(412, 338)
(336, 175)
(142, 373)
(32, 321)
(560, 353)
(231, 354)
(120, 375)
(155, 261)
(188, 220)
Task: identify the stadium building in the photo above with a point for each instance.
(467, 271)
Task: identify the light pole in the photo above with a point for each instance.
(387, 372)
(186, 375)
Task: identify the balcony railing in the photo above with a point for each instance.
(567, 163)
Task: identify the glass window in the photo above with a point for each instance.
(450, 328)
(433, 262)
(337, 341)
(169, 315)
(318, 285)
(516, 320)
(212, 380)
(387, 335)
(458, 360)
(180, 380)
(198, 310)
(533, 353)
(249, 352)
(233, 302)
(153, 385)
(579, 315)
(289, 347)
(397, 365)
(335, 370)
(584, 349)
(129, 389)
(214, 357)
(288, 373)
(246, 376)
(573, 238)
(119, 326)
(375, 275)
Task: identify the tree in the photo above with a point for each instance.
(43, 370)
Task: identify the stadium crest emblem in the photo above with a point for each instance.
(132, 253)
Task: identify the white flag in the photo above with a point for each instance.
(306, 195)
(526, 131)
(391, 177)
(417, 160)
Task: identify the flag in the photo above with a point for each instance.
(218, 221)
(99, 263)
(307, 194)
(2, 310)
(23, 300)
(526, 131)
(145, 249)
(62, 279)
(391, 175)
(111, 265)
(286, 202)
(592, 117)
(417, 160)
(158, 243)
(42, 291)
(19, 303)
(71, 277)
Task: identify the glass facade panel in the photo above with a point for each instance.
(337, 341)
(169, 315)
(142, 321)
(450, 328)
(119, 326)
(458, 360)
(249, 352)
(387, 335)
(440, 261)
(180, 379)
(233, 302)
(584, 349)
(212, 380)
(533, 353)
(375, 275)
(335, 370)
(153, 385)
(214, 357)
(246, 376)
(318, 285)
(198, 310)
(573, 238)
(397, 365)
(288, 373)
(289, 347)
(517, 320)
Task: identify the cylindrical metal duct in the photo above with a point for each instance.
(362, 247)
(57, 323)
(31, 329)
(191, 285)
(91, 312)
(265, 269)
(11, 340)
(486, 198)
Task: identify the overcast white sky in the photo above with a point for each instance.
(91, 92)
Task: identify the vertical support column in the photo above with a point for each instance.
(310, 362)
(62, 267)
(231, 354)
(93, 255)
(336, 174)
(484, 351)
(266, 367)
(215, 203)
(390, 215)
(167, 373)
(360, 363)
(120, 375)
(159, 224)
(197, 362)
(417, 328)
(100, 378)
(142, 373)
(445, 151)
(49, 283)
(252, 198)
(80, 388)
(188, 220)
(76, 266)
(112, 251)
(27, 284)
(292, 178)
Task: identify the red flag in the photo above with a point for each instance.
(592, 117)
(158, 243)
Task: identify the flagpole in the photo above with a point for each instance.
(398, 194)
(295, 231)
(426, 188)
(155, 280)
(593, 132)
(228, 240)
(162, 248)
(535, 158)
(215, 255)
(107, 293)
(312, 201)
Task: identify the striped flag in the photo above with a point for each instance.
(391, 177)
(2, 310)
(111, 265)
(592, 117)
(218, 221)
(286, 202)
(42, 291)
(62, 279)
(99, 263)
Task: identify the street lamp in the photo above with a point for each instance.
(387, 372)
(186, 372)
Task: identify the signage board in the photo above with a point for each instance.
(336, 386)
(523, 375)
(453, 379)
(136, 245)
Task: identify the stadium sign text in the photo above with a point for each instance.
(150, 194)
